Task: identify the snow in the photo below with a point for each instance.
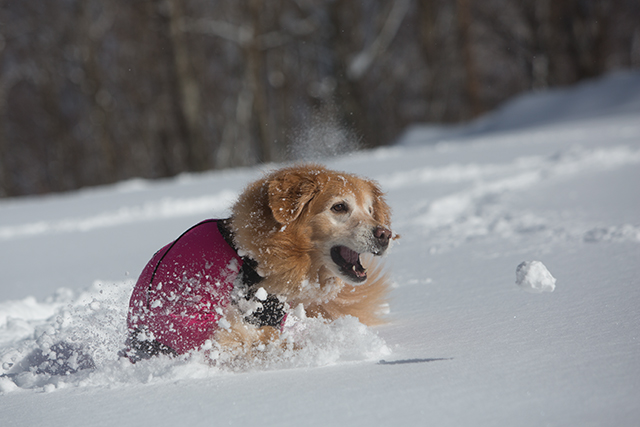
(551, 176)
(533, 276)
(261, 294)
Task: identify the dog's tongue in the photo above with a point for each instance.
(348, 255)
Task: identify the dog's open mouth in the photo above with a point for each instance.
(349, 262)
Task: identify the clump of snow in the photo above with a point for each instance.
(6, 385)
(261, 294)
(306, 342)
(533, 276)
(75, 340)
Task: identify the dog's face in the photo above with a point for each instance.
(344, 215)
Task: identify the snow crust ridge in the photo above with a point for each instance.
(163, 209)
(479, 209)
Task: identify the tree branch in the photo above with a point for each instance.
(359, 65)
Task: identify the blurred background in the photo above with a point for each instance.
(93, 92)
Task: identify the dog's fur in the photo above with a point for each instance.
(292, 223)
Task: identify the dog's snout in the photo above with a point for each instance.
(382, 235)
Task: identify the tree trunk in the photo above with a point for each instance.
(255, 64)
(464, 30)
(188, 88)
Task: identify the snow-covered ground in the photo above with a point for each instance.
(551, 177)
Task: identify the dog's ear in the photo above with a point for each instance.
(288, 195)
(381, 210)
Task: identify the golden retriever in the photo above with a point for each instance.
(300, 235)
(307, 227)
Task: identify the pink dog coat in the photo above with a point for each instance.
(178, 299)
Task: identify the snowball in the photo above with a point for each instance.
(261, 294)
(533, 276)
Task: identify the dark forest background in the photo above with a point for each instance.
(95, 91)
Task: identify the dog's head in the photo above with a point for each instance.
(344, 216)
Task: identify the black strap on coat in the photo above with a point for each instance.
(271, 310)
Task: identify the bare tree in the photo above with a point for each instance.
(466, 46)
(187, 87)
(364, 59)
(94, 92)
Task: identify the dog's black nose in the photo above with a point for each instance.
(382, 235)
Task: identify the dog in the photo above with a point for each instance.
(302, 236)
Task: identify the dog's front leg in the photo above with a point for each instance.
(242, 339)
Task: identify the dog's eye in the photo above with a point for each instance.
(339, 208)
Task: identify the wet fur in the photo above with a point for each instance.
(281, 221)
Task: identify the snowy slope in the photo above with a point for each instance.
(551, 177)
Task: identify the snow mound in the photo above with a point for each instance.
(74, 341)
(615, 94)
(533, 276)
